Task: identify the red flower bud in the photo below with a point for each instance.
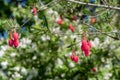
(59, 21)
(84, 42)
(10, 42)
(84, 46)
(72, 57)
(15, 35)
(87, 53)
(71, 28)
(34, 10)
(94, 69)
(75, 59)
(89, 44)
(16, 43)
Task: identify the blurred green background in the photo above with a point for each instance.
(45, 47)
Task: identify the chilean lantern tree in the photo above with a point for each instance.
(59, 40)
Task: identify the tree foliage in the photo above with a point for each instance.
(45, 46)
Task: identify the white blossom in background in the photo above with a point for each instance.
(56, 13)
(29, 77)
(115, 31)
(57, 18)
(10, 79)
(24, 42)
(61, 43)
(59, 61)
(43, 38)
(79, 27)
(43, 6)
(17, 68)
(34, 46)
(68, 54)
(71, 64)
(113, 47)
(2, 39)
(63, 75)
(50, 50)
(13, 55)
(4, 47)
(36, 17)
(108, 61)
(9, 72)
(33, 73)
(56, 30)
(34, 57)
(48, 37)
(103, 59)
(107, 40)
(22, 45)
(107, 76)
(96, 42)
(48, 70)
(19, 6)
(42, 54)
(2, 53)
(28, 41)
(23, 71)
(50, 11)
(4, 64)
(38, 21)
(17, 75)
(65, 37)
(56, 78)
(107, 66)
(73, 36)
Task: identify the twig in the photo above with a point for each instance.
(45, 6)
(93, 33)
(8, 23)
(38, 12)
(116, 38)
(26, 22)
(100, 12)
(97, 5)
(73, 44)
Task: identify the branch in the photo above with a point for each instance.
(97, 5)
(43, 8)
(116, 38)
